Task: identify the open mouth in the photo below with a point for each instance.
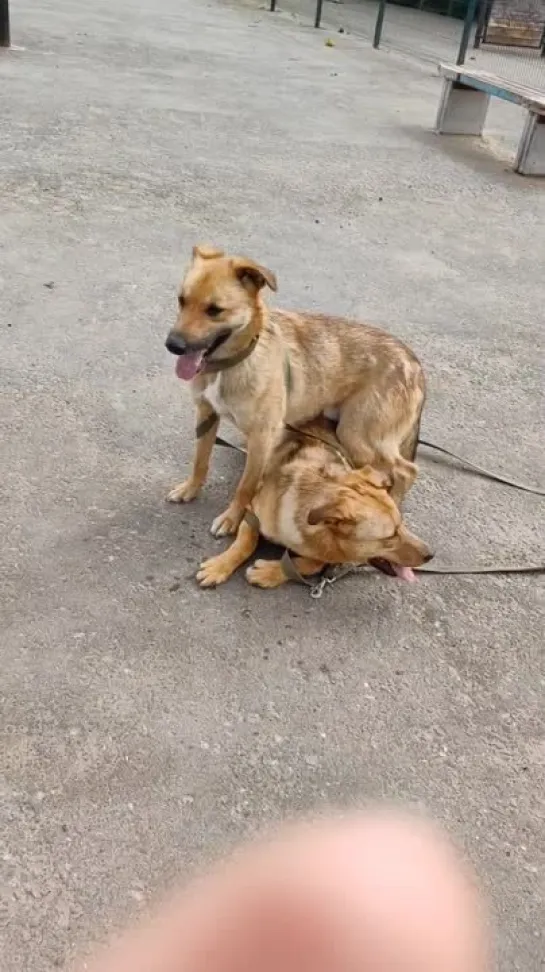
(393, 570)
(191, 362)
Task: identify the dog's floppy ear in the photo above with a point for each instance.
(336, 511)
(253, 274)
(204, 252)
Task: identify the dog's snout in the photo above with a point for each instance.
(175, 343)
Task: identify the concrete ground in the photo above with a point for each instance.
(149, 725)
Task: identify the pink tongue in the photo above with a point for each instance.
(187, 365)
(404, 573)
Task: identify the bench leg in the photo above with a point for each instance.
(531, 151)
(462, 111)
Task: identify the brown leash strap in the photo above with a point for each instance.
(221, 364)
(291, 572)
(335, 573)
(229, 445)
(485, 473)
(512, 569)
(482, 471)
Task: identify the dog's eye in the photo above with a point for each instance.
(181, 300)
(213, 310)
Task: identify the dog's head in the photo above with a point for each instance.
(361, 522)
(219, 298)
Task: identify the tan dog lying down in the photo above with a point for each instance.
(312, 502)
(266, 369)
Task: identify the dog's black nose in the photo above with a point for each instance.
(175, 343)
(429, 557)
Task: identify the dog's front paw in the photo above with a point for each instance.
(214, 571)
(227, 522)
(266, 573)
(184, 492)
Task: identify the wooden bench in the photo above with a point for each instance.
(464, 104)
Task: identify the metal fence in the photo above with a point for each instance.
(507, 23)
(429, 29)
(509, 40)
(501, 37)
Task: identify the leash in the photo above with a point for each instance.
(335, 573)
(468, 463)
(481, 470)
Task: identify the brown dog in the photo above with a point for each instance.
(264, 369)
(312, 502)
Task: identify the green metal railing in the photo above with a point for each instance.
(317, 15)
(450, 8)
(447, 6)
(4, 23)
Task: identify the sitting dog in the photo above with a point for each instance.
(314, 503)
(265, 369)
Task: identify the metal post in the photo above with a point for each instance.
(272, 7)
(484, 8)
(318, 17)
(4, 23)
(468, 24)
(379, 23)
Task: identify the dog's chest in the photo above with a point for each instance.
(213, 395)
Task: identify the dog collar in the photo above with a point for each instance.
(221, 364)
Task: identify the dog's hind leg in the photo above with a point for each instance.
(372, 442)
(404, 474)
(405, 469)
